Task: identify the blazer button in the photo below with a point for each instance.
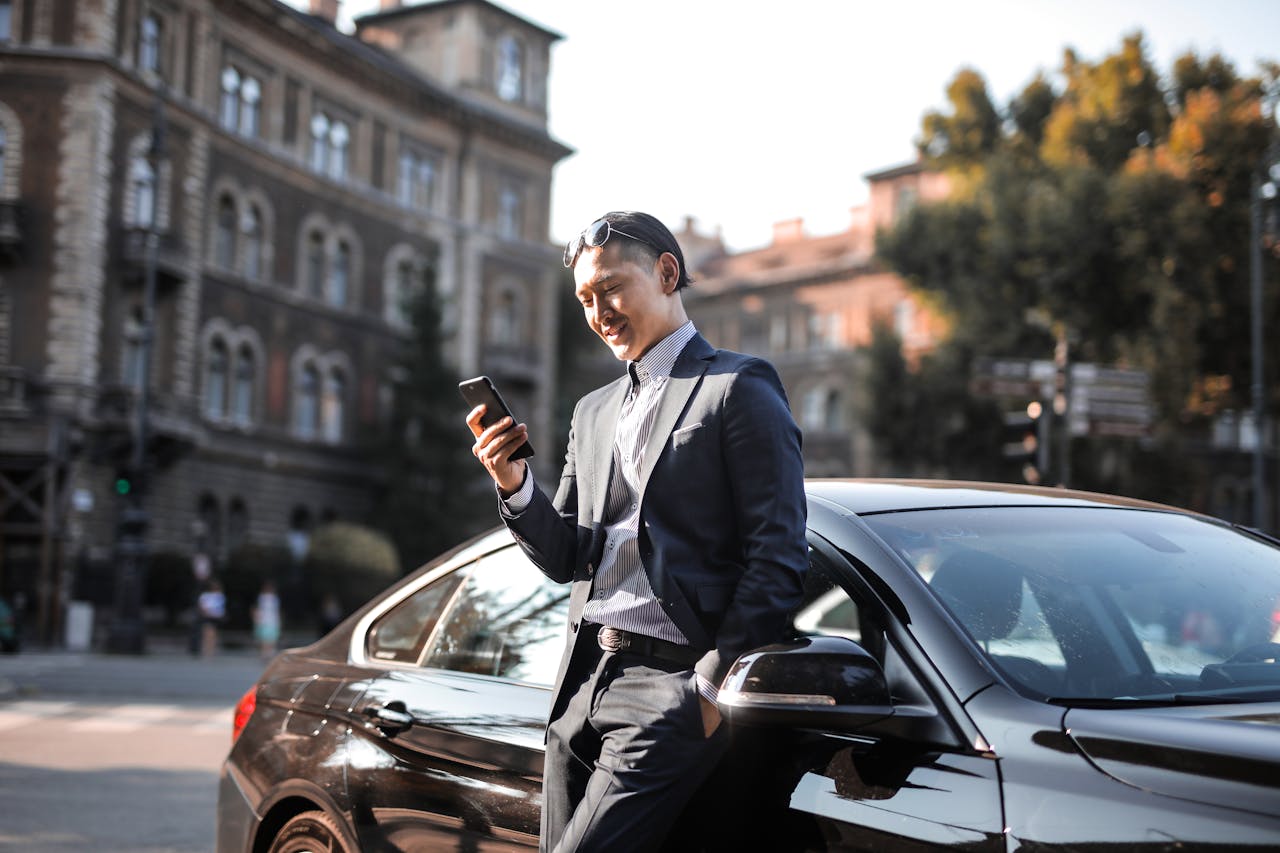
(591, 568)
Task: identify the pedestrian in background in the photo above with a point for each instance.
(266, 620)
(212, 605)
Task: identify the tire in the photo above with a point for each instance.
(310, 832)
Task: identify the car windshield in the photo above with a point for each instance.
(1104, 606)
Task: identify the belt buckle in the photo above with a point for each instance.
(611, 639)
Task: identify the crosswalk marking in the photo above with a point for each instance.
(97, 718)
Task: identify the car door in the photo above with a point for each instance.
(455, 740)
(913, 787)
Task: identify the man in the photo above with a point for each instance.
(679, 519)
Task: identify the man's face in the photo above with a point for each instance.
(631, 305)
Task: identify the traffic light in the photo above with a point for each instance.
(124, 483)
(1027, 440)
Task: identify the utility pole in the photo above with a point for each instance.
(127, 630)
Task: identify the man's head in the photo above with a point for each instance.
(628, 270)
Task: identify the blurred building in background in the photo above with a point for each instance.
(809, 304)
(307, 183)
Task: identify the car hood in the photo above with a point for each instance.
(1228, 755)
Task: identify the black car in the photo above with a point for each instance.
(975, 667)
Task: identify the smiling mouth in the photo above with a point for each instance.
(613, 332)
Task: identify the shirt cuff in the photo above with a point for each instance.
(523, 496)
(706, 689)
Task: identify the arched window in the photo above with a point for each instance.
(142, 188)
(229, 112)
(340, 275)
(242, 390)
(307, 402)
(237, 524)
(149, 44)
(315, 264)
(332, 409)
(211, 523)
(224, 245)
(834, 417)
(510, 78)
(252, 229)
(402, 292)
(215, 380)
(299, 535)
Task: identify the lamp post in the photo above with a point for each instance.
(127, 630)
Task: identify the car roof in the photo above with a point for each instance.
(867, 496)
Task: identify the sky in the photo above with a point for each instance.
(745, 114)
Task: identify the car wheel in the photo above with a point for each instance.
(310, 832)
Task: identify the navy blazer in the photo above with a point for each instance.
(722, 506)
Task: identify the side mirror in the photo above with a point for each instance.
(815, 682)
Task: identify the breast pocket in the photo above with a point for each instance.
(687, 435)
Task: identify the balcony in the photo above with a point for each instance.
(17, 392)
(11, 236)
(171, 255)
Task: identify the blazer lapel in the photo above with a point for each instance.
(685, 376)
(603, 430)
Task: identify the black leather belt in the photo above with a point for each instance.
(617, 640)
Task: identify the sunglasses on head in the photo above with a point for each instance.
(593, 236)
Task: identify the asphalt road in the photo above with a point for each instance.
(114, 753)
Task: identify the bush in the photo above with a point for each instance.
(349, 561)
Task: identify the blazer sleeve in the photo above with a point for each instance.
(761, 447)
(547, 530)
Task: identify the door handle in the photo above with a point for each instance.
(391, 718)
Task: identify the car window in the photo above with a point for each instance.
(1104, 604)
(830, 609)
(400, 633)
(508, 620)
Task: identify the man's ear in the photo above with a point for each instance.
(668, 271)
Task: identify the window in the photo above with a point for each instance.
(4, 138)
(307, 402)
(332, 406)
(229, 113)
(315, 264)
(242, 390)
(510, 77)
(506, 621)
(329, 141)
(510, 211)
(504, 321)
(250, 106)
(400, 634)
(142, 188)
(5, 20)
(149, 35)
(251, 227)
(237, 524)
(224, 243)
(778, 332)
(340, 275)
(417, 180)
(403, 289)
(215, 380)
(132, 362)
(211, 523)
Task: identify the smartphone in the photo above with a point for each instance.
(481, 390)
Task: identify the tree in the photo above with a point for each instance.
(1116, 207)
(433, 495)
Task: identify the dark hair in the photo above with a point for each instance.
(650, 237)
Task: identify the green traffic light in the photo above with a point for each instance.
(123, 486)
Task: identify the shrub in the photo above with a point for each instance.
(352, 562)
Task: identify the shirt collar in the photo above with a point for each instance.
(660, 360)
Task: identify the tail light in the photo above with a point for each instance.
(244, 710)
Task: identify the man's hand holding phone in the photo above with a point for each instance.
(501, 444)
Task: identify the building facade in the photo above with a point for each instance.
(306, 182)
(809, 304)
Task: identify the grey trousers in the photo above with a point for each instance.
(625, 757)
